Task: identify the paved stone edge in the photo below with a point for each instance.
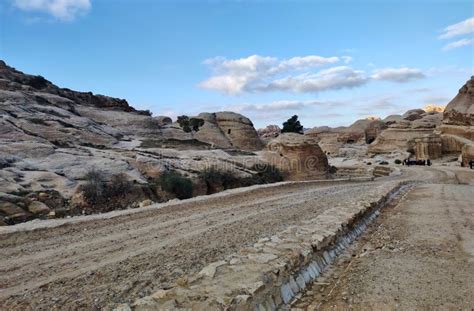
(272, 272)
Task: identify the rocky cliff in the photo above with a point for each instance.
(457, 130)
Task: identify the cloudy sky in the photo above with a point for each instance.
(330, 62)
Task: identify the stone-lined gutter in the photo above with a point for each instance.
(271, 273)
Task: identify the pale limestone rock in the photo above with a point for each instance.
(210, 270)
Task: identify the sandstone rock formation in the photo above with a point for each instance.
(401, 132)
(361, 132)
(298, 156)
(229, 129)
(428, 147)
(457, 130)
(434, 108)
(460, 110)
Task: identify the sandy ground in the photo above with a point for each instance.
(418, 255)
(98, 262)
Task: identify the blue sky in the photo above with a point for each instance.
(330, 62)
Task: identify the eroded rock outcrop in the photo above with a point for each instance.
(457, 130)
(361, 132)
(298, 156)
(228, 130)
(402, 132)
(460, 110)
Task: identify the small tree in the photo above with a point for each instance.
(292, 125)
(190, 124)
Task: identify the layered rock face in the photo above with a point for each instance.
(457, 130)
(428, 147)
(460, 110)
(298, 156)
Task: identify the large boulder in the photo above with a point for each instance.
(239, 130)
(228, 130)
(298, 156)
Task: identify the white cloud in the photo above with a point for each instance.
(306, 62)
(65, 10)
(266, 74)
(329, 79)
(400, 75)
(278, 105)
(458, 44)
(248, 74)
(462, 28)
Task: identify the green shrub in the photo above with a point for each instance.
(180, 186)
(216, 179)
(190, 124)
(383, 163)
(292, 125)
(97, 191)
(267, 173)
(398, 161)
(118, 186)
(94, 187)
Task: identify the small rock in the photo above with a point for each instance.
(145, 203)
(210, 270)
(37, 207)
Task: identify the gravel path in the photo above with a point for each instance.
(417, 255)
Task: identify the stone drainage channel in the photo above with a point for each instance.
(323, 258)
(293, 259)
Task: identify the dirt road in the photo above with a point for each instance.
(99, 262)
(95, 263)
(417, 255)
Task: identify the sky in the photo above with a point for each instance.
(329, 62)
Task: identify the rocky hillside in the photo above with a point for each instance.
(54, 142)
